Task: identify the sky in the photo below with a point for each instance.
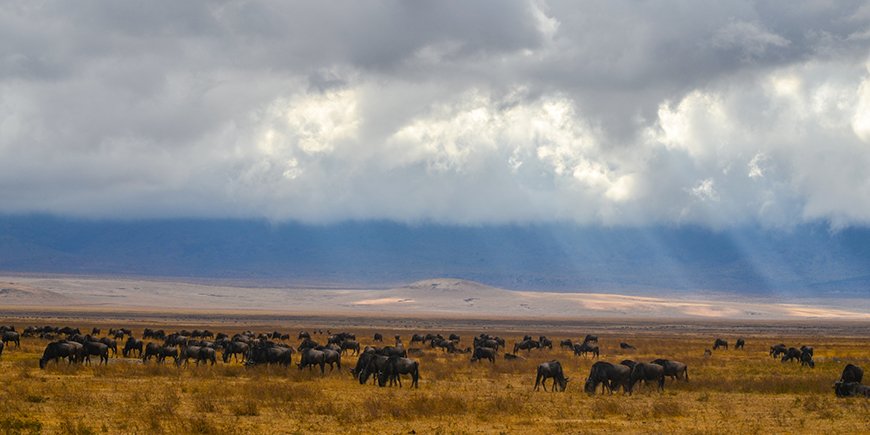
(611, 113)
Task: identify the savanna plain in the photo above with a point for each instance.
(730, 391)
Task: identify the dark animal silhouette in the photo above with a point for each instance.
(740, 343)
(852, 373)
(720, 343)
(626, 346)
(12, 336)
(673, 369)
(397, 366)
(378, 337)
(792, 354)
(585, 348)
(132, 344)
(646, 372)
(484, 353)
(566, 344)
(851, 389)
(311, 358)
(56, 350)
(777, 350)
(96, 348)
(807, 358)
(611, 376)
(551, 369)
(235, 349)
(527, 345)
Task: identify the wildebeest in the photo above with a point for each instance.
(187, 352)
(852, 373)
(303, 335)
(398, 366)
(646, 372)
(807, 357)
(95, 331)
(740, 343)
(417, 338)
(583, 349)
(778, 349)
(807, 349)
(628, 363)
(369, 363)
(612, 376)
(566, 344)
(849, 389)
(626, 346)
(111, 343)
(674, 369)
(131, 345)
(551, 369)
(484, 353)
(350, 345)
(311, 358)
(206, 355)
(527, 345)
(61, 349)
(590, 338)
(264, 353)
(235, 349)
(454, 337)
(98, 349)
(331, 357)
(543, 342)
(720, 343)
(151, 349)
(12, 336)
(378, 337)
(792, 354)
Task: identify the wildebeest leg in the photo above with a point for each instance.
(538, 382)
(322, 367)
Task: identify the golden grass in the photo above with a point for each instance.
(731, 392)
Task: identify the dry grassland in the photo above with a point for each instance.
(732, 392)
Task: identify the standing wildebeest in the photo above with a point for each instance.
(551, 369)
(566, 343)
(113, 344)
(205, 355)
(852, 373)
(131, 345)
(151, 349)
(543, 342)
(61, 349)
(331, 357)
(95, 331)
(417, 338)
(186, 354)
(674, 369)
(378, 337)
(526, 345)
(312, 357)
(807, 357)
(720, 343)
(792, 354)
(583, 349)
(628, 363)
(13, 337)
(486, 342)
(96, 348)
(612, 376)
(646, 372)
(484, 353)
(235, 349)
(626, 346)
(267, 354)
(777, 350)
(740, 343)
(303, 335)
(396, 367)
(590, 338)
(350, 345)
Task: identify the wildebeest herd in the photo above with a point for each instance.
(384, 364)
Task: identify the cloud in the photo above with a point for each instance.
(616, 114)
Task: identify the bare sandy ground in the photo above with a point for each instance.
(443, 298)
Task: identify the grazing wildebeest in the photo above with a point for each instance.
(807, 349)
(13, 337)
(590, 338)
(95, 331)
(417, 338)
(628, 363)
(566, 343)
(551, 369)
(56, 350)
(612, 376)
(674, 369)
(484, 353)
(370, 363)
(350, 345)
(543, 342)
(852, 373)
(792, 354)
(264, 353)
(740, 343)
(206, 354)
(777, 350)
(131, 345)
(113, 344)
(720, 343)
(646, 372)
(98, 349)
(395, 368)
(526, 345)
(378, 337)
(583, 349)
(454, 337)
(626, 346)
(312, 357)
(807, 358)
(235, 349)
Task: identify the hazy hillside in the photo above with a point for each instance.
(805, 260)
